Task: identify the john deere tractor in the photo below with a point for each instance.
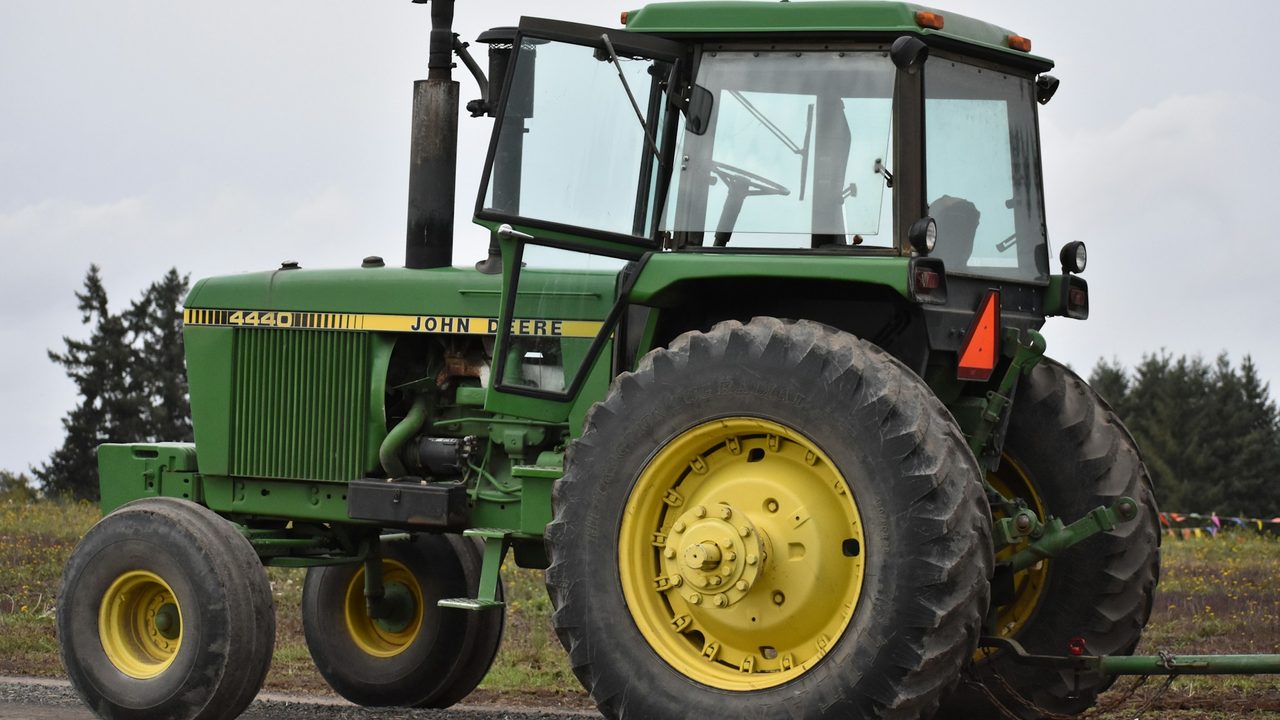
(752, 369)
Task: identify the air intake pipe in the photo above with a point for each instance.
(433, 150)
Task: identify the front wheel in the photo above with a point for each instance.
(789, 524)
(418, 654)
(165, 612)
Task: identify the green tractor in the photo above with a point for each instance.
(752, 370)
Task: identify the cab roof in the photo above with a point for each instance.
(817, 16)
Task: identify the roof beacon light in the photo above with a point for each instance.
(625, 13)
(982, 345)
(1017, 42)
(931, 20)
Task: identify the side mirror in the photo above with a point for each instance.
(908, 53)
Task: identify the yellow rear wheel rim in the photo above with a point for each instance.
(392, 635)
(140, 624)
(741, 554)
(1012, 481)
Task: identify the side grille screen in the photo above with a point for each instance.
(301, 404)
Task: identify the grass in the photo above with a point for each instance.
(1216, 596)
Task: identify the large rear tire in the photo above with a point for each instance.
(769, 520)
(1067, 453)
(165, 612)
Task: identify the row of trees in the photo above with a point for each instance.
(1209, 431)
(130, 377)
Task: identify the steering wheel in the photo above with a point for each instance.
(754, 184)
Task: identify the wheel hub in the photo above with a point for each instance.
(741, 553)
(716, 554)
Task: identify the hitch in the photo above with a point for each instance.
(1055, 537)
(1026, 357)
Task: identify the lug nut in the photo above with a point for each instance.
(716, 580)
(669, 553)
(678, 527)
(695, 599)
(752, 559)
(726, 512)
(677, 580)
(731, 556)
(721, 600)
(771, 506)
(700, 512)
(742, 586)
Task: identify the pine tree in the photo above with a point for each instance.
(129, 375)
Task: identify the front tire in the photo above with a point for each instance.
(820, 482)
(165, 612)
(421, 655)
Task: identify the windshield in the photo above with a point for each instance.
(791, 154)
(983, 180)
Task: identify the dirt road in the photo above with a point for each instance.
(40, 699)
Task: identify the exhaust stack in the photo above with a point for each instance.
(433, 150)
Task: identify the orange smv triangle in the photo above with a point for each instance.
(982, 345)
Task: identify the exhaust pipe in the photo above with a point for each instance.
(433, 150)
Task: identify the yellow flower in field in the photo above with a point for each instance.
(24, 609)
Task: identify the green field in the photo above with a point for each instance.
(1216, 595)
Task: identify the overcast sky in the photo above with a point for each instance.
(227, 136)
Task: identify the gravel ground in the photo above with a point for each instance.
(30, 699)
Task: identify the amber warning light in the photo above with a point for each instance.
(982, 345)
(1017, 42)
(931, 20)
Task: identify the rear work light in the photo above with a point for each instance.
(930, 20)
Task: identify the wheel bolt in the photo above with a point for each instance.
(678, 527)
(721, 600)
(744, 531)
(677, 580)
(716, 580)
(779, 598)
(700, 512)
(726, 512)
(752, 559)
(772, 506)
(742, 586)
(669, 553)
(731, 556)
(695, 599)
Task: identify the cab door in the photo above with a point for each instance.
(577, 169)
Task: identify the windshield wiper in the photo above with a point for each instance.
(613, 56)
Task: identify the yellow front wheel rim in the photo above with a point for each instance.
(140, 624)
(741, 554)
(1013, 482)
(388, 636)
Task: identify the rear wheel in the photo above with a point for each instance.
(791, 522)
(1067, 453)
(418, 654)
(166, 612)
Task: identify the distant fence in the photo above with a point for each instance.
(1194, 525)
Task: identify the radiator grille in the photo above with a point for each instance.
(301, 404)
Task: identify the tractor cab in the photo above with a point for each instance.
(663, 138)
(805, 155)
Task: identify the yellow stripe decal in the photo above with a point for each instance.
(428, 324)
